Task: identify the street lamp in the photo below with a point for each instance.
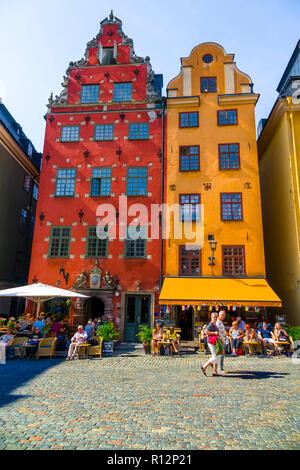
(213, 246)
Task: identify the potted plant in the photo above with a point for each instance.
(145, 336)
(46, 329)
(12, 324)
(109, 332)
(2, 322)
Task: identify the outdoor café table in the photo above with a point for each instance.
(23, 348)
(2, 354)
(83, 345)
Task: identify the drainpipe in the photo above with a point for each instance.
(162, 193)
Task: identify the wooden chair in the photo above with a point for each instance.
(97, 349)
(46, 347)
(17, 343)
(278, 343)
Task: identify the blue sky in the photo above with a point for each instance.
(38, 39)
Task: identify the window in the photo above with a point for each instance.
(60, 239)
(95, 247)
(227, 118)
(189, 158)
(89, 93)
(22, 221)
(136, 248)
(35, 192)
(104, 132)
(29, 150)
(189, 262)
(101, 182)
(139, 131)
(231, 206)
(189, 119)
(233, 260)
(137, 181)
(207, 58)
(107, 56)
(229, 156)
(70, 133)
(122, 91)
(208, 84)
(190, 207)
(65, 182)
(27, 183)
(31, 226)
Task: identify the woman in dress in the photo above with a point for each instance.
(212, 332)
(156, 337)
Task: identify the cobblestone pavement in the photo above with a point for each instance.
(134, 401)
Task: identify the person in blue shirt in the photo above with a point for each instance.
(38, 324)
(265, 335)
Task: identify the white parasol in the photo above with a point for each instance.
(39, 293)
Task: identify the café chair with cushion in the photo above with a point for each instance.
(17, 343)
(96, 350)
(46, 347)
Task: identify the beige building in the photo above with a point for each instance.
(279, 165)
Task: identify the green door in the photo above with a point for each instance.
(137, 312)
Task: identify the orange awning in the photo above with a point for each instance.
(215, 291)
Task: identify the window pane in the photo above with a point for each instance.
(90, 94)
(137, 181)
(65, 182)
(122, 91)
(139, 131)
(70, 133)
(104, 132)
(101, 182)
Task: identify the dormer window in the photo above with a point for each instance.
(107, 56)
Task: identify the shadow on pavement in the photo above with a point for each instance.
(252, 374)
(15, 373)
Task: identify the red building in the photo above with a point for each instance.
(103, 140)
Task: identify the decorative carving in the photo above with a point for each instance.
(109, 281)
(80, 281)
(95, 277)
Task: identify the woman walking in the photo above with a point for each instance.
(212, 332)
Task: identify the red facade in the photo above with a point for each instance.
(109, 60)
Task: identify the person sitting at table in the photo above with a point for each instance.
(265, 336)
(251, 340)
(156, 338)
(6, 341)
(39, 323)
(34, 339)
(236, 335)
(79, 338)
(173, 337)
(279, 335)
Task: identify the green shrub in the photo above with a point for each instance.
(145, 335)
(108, 331)
(293, 331)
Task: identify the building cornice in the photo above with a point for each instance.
(237, 99)
(15, 151)
(281, 106)
(183, 101)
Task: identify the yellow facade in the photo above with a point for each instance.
(279, 154)
(234, 91)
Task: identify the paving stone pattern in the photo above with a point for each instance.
(134, 401)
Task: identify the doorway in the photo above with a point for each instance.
(184, 320)
(93, 308)
(137, 312)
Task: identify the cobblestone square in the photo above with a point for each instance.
(134, 401)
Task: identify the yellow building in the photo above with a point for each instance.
(211, 159)
(279, 165)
